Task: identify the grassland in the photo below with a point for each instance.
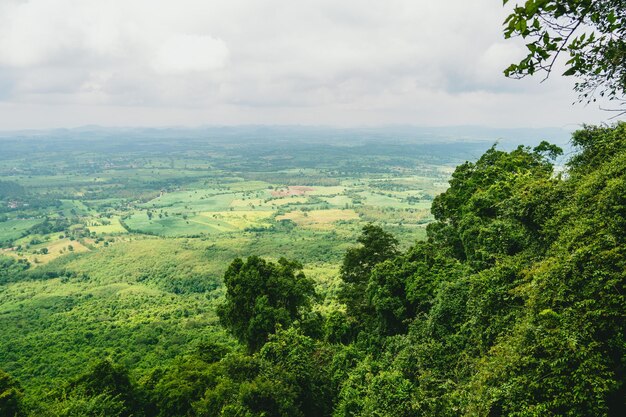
(15, 228)
(319, 219)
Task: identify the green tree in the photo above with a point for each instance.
(403, 287)
(173, 390)
(109, 383)
(10, 396)
(249, 386)
(12, 270)
(591, 32)
(375, 246)
(261, 295)
(474, 218)
(300, 357)
(81, 405)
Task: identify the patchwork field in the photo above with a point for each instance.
(319, 219)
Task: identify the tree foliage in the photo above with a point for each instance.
(10, 396)
(11, 269)
(375, 246)
(515, 305)
(591, 32)
(261, 295)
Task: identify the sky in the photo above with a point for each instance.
(68, 63)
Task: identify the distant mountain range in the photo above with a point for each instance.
(506, 138)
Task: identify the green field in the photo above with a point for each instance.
(13, 229)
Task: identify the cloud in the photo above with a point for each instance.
(190, 53)
(59, 33)
(271, 61)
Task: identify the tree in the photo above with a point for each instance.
(300, 358)
(250, 386)
(10, 396)
(475, 220)
(81, 405)
(12, 270)
(261, 295)
(401, 288)
(376, 246)
(173, 390)
(107, 383)
(591, 32)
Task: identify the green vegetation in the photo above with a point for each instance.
(237, 275)
(376, 247)
(513, 304)
(120, 255)
(262, 295)
(591, 32)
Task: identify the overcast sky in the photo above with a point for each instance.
(66, 63)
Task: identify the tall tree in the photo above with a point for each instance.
(376, 246)
(261, 295)
(10, 396)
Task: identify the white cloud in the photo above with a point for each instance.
(270, 61)
(190, 53)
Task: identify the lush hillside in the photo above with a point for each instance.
(513, 306)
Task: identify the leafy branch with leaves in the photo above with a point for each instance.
(591, 32)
